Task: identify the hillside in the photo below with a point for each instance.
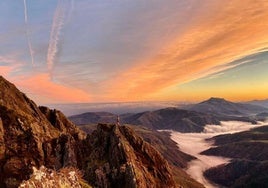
(167, 118)
(249, 150)
(263, 103)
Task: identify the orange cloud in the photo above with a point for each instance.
(40, 87)
(227, 31)
(5, 70)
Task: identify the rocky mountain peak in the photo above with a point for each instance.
(31, 137)
(125, 160)
(112, 156)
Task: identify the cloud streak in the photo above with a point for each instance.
(226, 32)
(58, 22)
(139, 50)
(31, 52)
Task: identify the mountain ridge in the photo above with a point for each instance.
(32, 136)
(191, 118)
(167, 118)
(220, 106)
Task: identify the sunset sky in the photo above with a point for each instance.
(69, 51)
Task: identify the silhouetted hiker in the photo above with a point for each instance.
(118, 120)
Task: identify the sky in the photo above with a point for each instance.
(75, 51)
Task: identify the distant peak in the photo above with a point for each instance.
(216, 100)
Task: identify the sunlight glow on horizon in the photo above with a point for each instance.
(136, 51)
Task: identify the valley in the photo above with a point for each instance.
(195, 143)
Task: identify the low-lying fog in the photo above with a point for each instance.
(194, 143)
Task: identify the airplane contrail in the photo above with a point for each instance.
(25, 11)
(58, 22)
(27, 32)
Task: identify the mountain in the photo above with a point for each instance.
(249, 153)
(114, 156)
(111, 156)
(94, 118)
(263, 103)
(114, 107)
(168, 149)
(172, 119)
(262, 116)
(167, 118)
(219, 106)
(29, 139)
(191, 119)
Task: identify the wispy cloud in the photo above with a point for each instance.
(227, 31)
(28, 32)
(58, 22)
(135, 50)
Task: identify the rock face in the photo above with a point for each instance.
(29, 137)
(111, 156)
(120, 158)
(169, 150)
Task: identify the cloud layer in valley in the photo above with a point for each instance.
(185, 143)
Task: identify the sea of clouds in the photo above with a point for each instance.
(195, 143)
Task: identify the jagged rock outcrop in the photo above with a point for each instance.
(169, 150)
(120, 158)
(29, 138)
(111, 156)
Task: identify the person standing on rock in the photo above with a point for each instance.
(118, 120)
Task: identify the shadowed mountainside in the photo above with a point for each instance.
(120, 158)
(167, 147)
(263, 103)
(249, 150)
(168, 118)
(27, 138)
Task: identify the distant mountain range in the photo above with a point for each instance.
(168, 118)
(192, 118)
(219, 106)
(263, 103)
(115, 107)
